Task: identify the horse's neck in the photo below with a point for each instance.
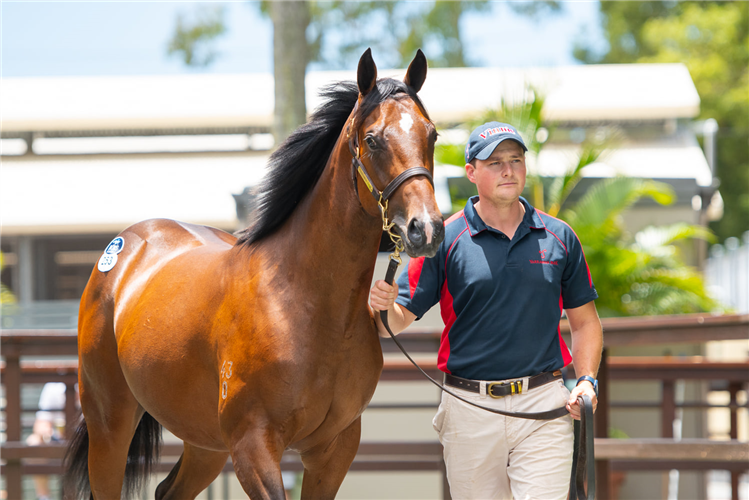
(333, 233)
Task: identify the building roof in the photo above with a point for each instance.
(677, 156)
(102, 194)
(57, 193)
(573, 93)
(105, 193)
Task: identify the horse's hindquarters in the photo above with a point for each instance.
(146, 323)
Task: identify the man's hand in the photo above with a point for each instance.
(382, 296)
(587, 344)
(583, 388)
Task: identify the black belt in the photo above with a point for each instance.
(502, 389)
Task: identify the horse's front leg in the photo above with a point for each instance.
(256, 452)
(326, 466)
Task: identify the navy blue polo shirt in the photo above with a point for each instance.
(501, 299)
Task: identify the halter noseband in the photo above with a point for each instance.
(381, 197)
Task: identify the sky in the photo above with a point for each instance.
(59, 38)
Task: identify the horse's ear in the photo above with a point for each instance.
(417, 72)
(366, 75)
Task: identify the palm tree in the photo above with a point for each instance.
(641, 274)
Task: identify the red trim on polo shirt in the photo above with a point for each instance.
(453, 217)
(414, 273)
(451, 247)
(552, 232)
(566, 356)
(446, 304)
(590, 278)
(559, 239)
(448, 317)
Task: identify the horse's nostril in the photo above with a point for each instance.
(439, 231)
(416, 232)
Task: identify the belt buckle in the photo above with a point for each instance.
(516, 387)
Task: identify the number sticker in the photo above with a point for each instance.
(106, 262)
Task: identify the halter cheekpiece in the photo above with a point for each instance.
(381, 197)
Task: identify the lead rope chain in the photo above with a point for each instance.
(395, 238)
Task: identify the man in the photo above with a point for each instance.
(502, 276)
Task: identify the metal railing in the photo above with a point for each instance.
(612, 454)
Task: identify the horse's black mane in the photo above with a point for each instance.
(295, 167)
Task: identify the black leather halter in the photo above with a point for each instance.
(381, 197)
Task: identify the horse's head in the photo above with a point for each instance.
(393, 140)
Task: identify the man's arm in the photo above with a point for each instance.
(382, 298)
(587, 345)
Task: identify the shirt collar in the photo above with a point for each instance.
(531, 219)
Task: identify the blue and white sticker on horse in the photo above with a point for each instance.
(115, 246)
(108, 260)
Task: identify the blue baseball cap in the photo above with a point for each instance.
(485, 138)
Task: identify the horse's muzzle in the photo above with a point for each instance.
(422, 239)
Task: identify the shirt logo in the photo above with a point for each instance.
(543, 259)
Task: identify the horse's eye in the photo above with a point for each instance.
(370, 142)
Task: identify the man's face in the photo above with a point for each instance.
(501, 177)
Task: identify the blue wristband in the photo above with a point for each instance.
(589, 379)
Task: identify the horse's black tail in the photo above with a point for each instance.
(75, 463)
(141, 459)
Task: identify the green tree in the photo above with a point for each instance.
(622, 24)
(335, 33)
(712, 40)
(291, 55)
(193, 40)
(395, 30)
(528, 118)
(641, 274)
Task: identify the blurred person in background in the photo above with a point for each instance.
(49, 427)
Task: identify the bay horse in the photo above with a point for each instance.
(249, 346)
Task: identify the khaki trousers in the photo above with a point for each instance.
(489, 456)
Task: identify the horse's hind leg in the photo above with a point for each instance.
(111, 418)
(196, 469)
(112, 414)
(256, 454)
(326, 467)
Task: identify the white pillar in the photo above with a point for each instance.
(25, 270)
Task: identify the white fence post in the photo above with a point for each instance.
(727, 273)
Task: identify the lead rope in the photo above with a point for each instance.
(583, 458)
